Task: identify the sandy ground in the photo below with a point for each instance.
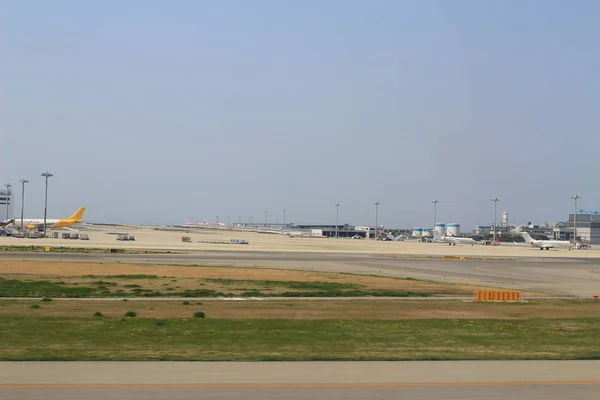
(193, 277)
(148, 238)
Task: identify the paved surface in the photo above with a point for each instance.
(526, 392)
(148, 238)
(558, 276)
(547, 380)
(202, 239)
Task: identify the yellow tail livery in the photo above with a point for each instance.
(78, 215)
(76, 218)
(38, 223)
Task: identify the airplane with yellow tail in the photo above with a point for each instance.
(38, 223)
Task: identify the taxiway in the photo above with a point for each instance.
(537, 380)
(554, 276)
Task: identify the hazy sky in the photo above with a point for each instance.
(157, 111)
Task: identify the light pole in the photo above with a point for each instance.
(337, 217)
(23, 182)
(284, 218)
(8, 186)
(265, 218)
(217, 220)
(46, 175)
(376, 218)
(251, 217)
(495, 200)
(228, 221)
(435, 203)
(575, 198)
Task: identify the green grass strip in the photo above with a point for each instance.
(138, 338)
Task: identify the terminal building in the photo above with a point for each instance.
(588, 227)
(315, 230)
(485, 230)
(344, 230)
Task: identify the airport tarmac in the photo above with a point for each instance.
(214, 239)
(555, 276)
(537, 380)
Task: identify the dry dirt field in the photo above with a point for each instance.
(184, 277)
(359, 309)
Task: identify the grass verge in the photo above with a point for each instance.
(167, 278)
(223, 339)
(356, 309)
(23, 288)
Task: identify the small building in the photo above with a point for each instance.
(482, 230)
(6, 198)
(316, 232)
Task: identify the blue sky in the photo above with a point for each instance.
(157, 111)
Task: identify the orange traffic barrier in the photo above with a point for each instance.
(484, 295)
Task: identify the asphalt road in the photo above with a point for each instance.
(537, 380)
(557, 276)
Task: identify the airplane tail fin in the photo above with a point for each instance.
(205, 223)
(527, 237)
(437, 235)
(78, 214)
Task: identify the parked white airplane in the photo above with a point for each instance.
(203, 223)
(452, 240)
(390, 237)
(546, 244)
(7, 222)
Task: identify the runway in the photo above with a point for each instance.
(547, 380)
(555, 276)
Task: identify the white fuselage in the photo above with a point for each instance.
(546, 244)
(35, 221)
(453, 241)
(550, 244)
(462, 240)
(459, 240)
(188, 224)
